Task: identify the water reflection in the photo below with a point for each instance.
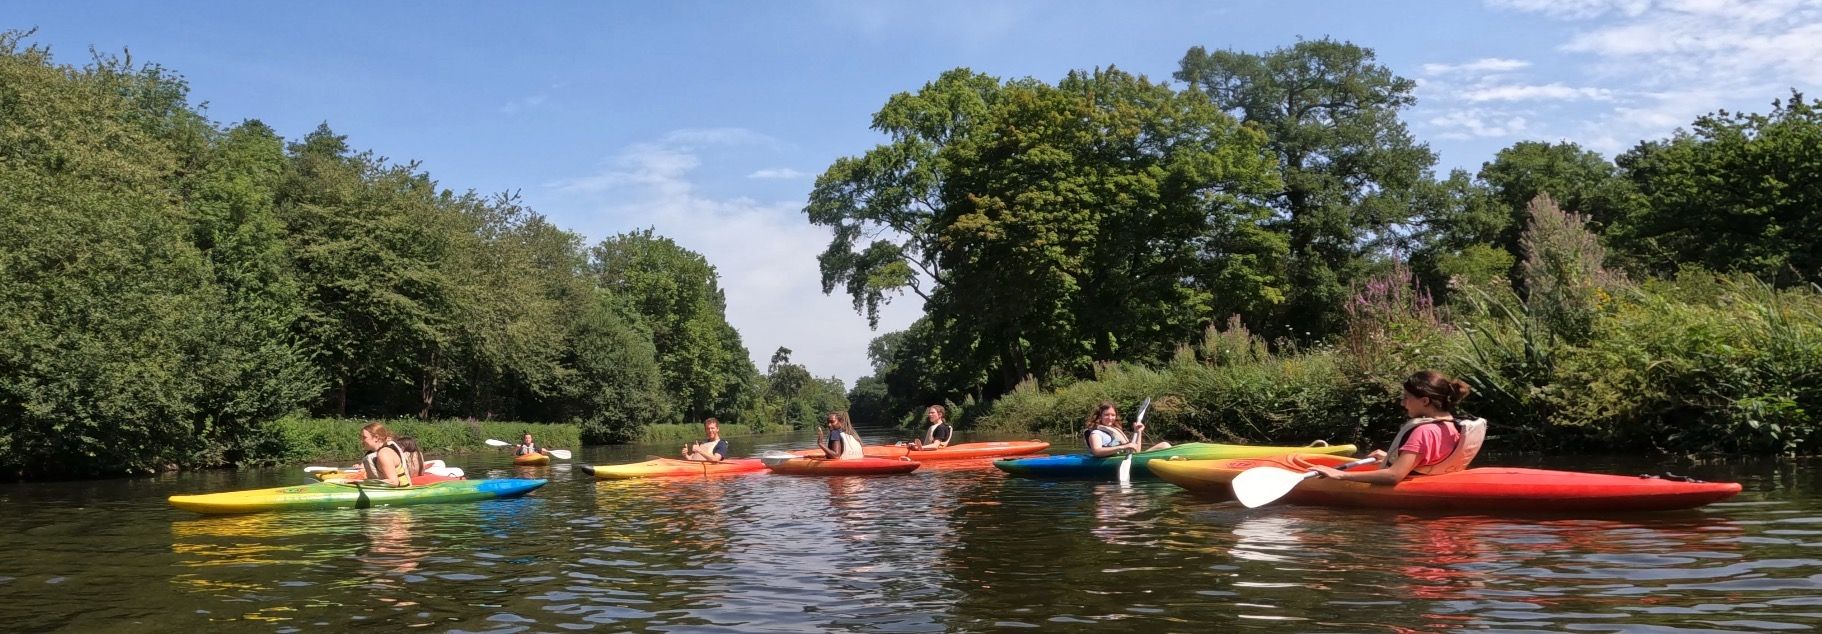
(955, 548)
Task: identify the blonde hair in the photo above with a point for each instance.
(378, 430)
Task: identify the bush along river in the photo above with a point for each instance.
(962, 547)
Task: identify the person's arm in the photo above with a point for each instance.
(1391, 474)
(941, 439)
(716, 453)
(831, 449)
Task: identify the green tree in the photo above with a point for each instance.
(1736, 192)
(1350, 171)
(676, 293)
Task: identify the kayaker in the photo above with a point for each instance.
(383, 456)
(414, 461)
(714, 449)
(526, 447)
(1432, 441)
(1105, 436)
(937, 435)
(838, 440)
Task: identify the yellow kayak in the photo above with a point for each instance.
(671, 467)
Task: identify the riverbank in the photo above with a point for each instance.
(300, 439)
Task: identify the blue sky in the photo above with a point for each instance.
(709, 120)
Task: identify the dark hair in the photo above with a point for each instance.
(1445, 392)
(941, 412)
(841, 417)
(1095, 418)
(408, 444)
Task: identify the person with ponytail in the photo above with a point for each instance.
(1433, 441)
(384, 461)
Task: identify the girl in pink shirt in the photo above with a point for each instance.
(1430, 398)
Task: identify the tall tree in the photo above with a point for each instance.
(1736, 191)
(678, 295)
(1350, 170)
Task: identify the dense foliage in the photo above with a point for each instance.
(169, 287)
(1065, 238)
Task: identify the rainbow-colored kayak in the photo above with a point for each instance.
(1086, 466)
(1486, 489)
(351, 495)
(672, 467)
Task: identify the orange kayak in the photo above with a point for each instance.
(671, 468)
(857, 466)
(952, 452)
(531, 459)
(1485, 489)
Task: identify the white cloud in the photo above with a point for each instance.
(1576, 9)
(1483, 65)
(1546, 92)
(1473, 123)
(783, 173)
(520, 105)
(765, 252)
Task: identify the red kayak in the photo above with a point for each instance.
(952, 452)
(1490, 489)
(855, 466)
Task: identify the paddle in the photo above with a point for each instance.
(329, 469)
(561, 454)
(1260, 486)
(1137, 437)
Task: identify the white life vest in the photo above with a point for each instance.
(850, 447)
(1473, 434)
(930, 433)
(1119, 437)
(371, 464)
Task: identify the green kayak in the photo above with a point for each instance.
(350, 495)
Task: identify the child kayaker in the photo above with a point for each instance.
(838, 440)
(385, 461)
(1105, 436)
(937, 435)
(1432, 441)
(713, 449)
(414, 460)
(527, 447)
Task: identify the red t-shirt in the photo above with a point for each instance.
(1432, 442)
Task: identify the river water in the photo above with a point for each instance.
(959, 548)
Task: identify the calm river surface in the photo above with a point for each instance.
(940, 550)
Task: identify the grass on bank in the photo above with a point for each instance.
(312, 439)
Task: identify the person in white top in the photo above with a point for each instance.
(1105, 437)
(838, 440)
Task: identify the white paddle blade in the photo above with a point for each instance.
(562, 454)
(498, 443)
(445, 472)
(320, 469)
(1260, 486)
(1126, 469)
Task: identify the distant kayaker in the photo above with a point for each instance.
(414, 460)
(383, 456)
(713, 449)
(526, 447)
(1105, 436)
(937, 435)
(1432, 441)
(837, 438)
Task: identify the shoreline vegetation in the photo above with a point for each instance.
(1259, 241)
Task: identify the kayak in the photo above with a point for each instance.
(952, 452)
(342, 495)
(1482, 489)
(1086, 466)
(671, 467)
(531, 460)
(856, 466)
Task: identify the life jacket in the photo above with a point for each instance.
(1119, 437)
(523, 450)
(716, 446)
(1473, 434)
(371, 464)
(850, 447)
(930, 433)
